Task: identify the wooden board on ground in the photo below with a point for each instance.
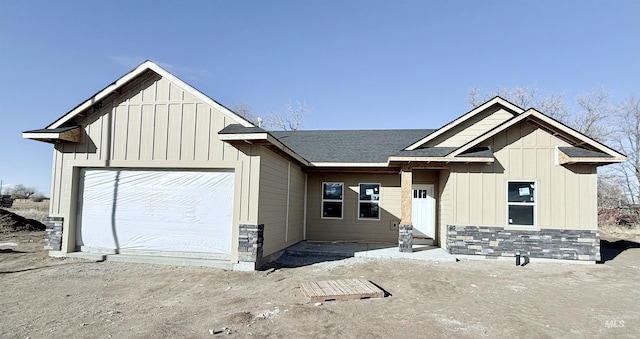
(345, 289)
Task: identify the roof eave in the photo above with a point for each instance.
(52, 137)
(593, 161)
(563, 159)
(349, 164)
(443, 159)
(263, 138)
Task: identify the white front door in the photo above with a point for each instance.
(423, 211)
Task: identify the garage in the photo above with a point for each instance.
(151, 211)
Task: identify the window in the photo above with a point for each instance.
(521, 203)
(369, 202)
(332, 193)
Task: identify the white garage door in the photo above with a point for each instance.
(174, 211)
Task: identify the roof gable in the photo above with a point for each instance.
(135, 73)
(543, 121)
(469, 116)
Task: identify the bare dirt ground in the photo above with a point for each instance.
(43, 297)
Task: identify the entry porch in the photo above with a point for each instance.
(397, 205)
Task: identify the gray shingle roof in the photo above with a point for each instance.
(356, 146)
(579, 152)
(237, 128)
(360, 146)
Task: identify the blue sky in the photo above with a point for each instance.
(356, 64)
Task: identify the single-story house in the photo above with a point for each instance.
(151, 166)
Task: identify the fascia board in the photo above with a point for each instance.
(242, 136)
(440, 159)
(349, 164)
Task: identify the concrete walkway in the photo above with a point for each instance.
(367, 250)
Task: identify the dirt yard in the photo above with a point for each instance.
(43, 297)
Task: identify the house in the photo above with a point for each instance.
(150, 166)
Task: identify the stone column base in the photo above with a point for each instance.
(53, 233)
(405, 238)
(250, 242)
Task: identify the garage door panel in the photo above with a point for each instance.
(177, 211)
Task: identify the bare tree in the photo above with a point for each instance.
(594, 111)
(21, 192)
(551, 104)
(628, 141)
(290, 119)
(610, 192)
(246, 112)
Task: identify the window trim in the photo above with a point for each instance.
(370, 201)
(323, 200)
(534, 204)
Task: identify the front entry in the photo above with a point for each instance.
(423, 213)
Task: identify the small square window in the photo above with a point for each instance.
(520, 215)
(332, 209)
(521, 192)
(369, 210)
(332, 191)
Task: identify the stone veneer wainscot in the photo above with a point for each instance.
(543, 243)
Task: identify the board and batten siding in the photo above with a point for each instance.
(444, 205)
(153, 124)
(471, 128)
(349, 228)
(281, 202)
(566, 196)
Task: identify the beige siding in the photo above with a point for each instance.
(296, 205)
(445, 205)
(281, 202)
(566, 195)
(349, 228)
(154, 124)
(472, 128)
